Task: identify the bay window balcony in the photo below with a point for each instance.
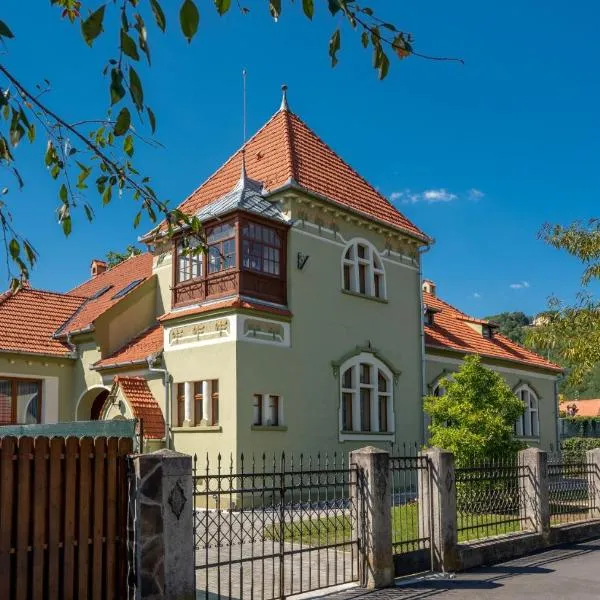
(240, 256)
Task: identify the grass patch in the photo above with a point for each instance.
(320, 531)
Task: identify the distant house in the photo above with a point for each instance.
(301, 328)
(451, 334)
(580, 408)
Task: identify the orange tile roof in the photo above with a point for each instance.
(136, 267)
(235, 302)
(450, 331)
(585, 408)
(137, 350)
(29, 318)
(285, 150)
(143, 405)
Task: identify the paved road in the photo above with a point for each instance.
(570, 572)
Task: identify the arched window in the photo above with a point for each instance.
(528, 424)
(367, 400)
(362, 270)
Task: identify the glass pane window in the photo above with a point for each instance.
(261, 249)
(365, 409)
(257, 409)
(347, 411)
(190, 258)
(273, 417)
(528, 424)
(198, 403)
(366, 397)
(383, 413)
(180, 404)
(362, 271)
(220, 232)
(215, 402)
(6, 405)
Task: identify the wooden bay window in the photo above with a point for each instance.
(241, 255)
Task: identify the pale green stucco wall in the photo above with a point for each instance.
(57, 375)
(543, 384)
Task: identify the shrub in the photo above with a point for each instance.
(574, 449)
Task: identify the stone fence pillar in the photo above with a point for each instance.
(437, 487)
(372, 496)
(162, 523)
(533, 487)
(592, 457)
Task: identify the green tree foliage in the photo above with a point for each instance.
(97, 154)
(114, 258)
(474, 419)
(511, 324)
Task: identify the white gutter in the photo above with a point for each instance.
(422, 251)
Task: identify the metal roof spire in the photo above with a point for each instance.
(284, 102)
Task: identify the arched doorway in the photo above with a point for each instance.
(90, 403)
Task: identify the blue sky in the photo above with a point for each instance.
(479, 156)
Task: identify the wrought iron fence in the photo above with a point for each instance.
(269, 528)
(571, 495)
(490, 498)
(411, 506)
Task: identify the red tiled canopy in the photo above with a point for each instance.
(143, 405)
(137, 350)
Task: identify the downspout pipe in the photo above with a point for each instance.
(423, 250)
(167, 382)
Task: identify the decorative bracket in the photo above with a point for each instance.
(177, 499)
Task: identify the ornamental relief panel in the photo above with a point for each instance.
(209, 330)
(264, 330)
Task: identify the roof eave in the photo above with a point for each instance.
(68, 355)
(554, 368)
(291, 184)
(118, 365)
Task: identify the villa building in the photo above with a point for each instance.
(301, 328)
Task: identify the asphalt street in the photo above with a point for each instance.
(571, 572)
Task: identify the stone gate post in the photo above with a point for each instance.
(533, 486)
(162, 524)
(372, 496)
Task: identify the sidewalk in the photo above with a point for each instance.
(571, 572)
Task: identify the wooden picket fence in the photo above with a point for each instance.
(63, 515)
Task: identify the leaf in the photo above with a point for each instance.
(14, 248)
(364, 38)
(128, 45)
(152, 119)
(159, 15)
(117, 91)
(308, 7)
(63, 194)
(5, 31)
(137, 219)
(135, 88)
(128, 145)
(222, 6)
(189, 17)
(91, 28)
(275, 8)
(334, 46)
(30, 252)
(334, 6)
(66, 225)
(89, 213)
(384, 65)
(31, 132)
(107, 195)
(123, 122)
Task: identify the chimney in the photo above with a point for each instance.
(98, 267)
(429, 287)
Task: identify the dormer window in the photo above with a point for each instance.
(428, 315)
(487, 331)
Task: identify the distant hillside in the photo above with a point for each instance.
(511, 324)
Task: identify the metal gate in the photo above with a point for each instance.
(270, 528)
(411, 513)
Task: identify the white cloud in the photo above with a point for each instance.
(476, 295)
(434, 196)
(475, 195)
(439, 195)
(519, 286)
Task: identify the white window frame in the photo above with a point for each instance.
(376, 366)
(374, 268)
(528, 424)
(266, 411)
